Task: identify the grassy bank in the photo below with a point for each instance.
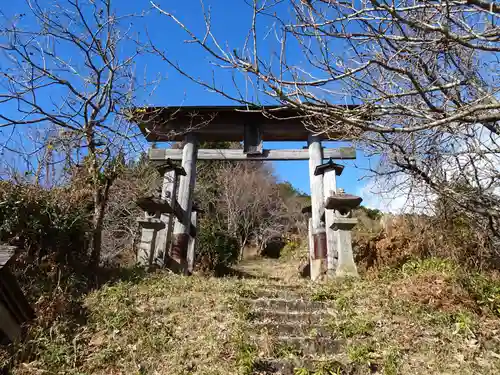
(427, 317)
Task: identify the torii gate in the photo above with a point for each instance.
(329, 232)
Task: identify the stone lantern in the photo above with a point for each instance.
(343, 223)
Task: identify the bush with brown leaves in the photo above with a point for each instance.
(420, 237)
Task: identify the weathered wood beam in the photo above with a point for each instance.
(239, 155)
(223, 123)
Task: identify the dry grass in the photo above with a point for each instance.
(419, 319)
(164, 324)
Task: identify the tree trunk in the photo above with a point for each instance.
(97, 220)
(95, 256)
(243, 241)
(101, 197)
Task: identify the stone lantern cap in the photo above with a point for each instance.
(343, 202)
(151, 223)
(329, 165)
(153, 204)
(163, 166)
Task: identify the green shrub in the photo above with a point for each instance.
(416, 266)
(215, 249)
(50, 228)
(485, 290)
(291, 250)
(372, 214)
(45, 223)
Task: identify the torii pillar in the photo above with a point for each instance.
(318, 253)
(170, 173)
(192, 238)
(180, 240)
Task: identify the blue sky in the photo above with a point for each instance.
(230, 22)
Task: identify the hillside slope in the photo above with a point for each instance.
(414, 321)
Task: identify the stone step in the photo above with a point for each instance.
(289, 366)
(293, 329)
(293, 291)
(284, 304)
(276, 293)
(259, 292)
(287, 287)
(310, 345)
(288, 317)
(285, 346)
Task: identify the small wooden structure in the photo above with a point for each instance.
(253, 126)
(14, 308)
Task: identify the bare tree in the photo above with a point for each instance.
(414, 81)
(68, 67)
(246, 203)
(120, 228)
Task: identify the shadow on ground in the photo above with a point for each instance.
(241, 274)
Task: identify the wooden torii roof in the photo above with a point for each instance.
(222, 123)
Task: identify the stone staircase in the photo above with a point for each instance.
(293, 334)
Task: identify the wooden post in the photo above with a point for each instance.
(191, 245)
(318, 260)
(168, 193)
(185, 198)
(330, 187)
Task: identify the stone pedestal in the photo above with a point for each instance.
(330, 170)
(150, 226)
(343, 204)
(346, 265)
